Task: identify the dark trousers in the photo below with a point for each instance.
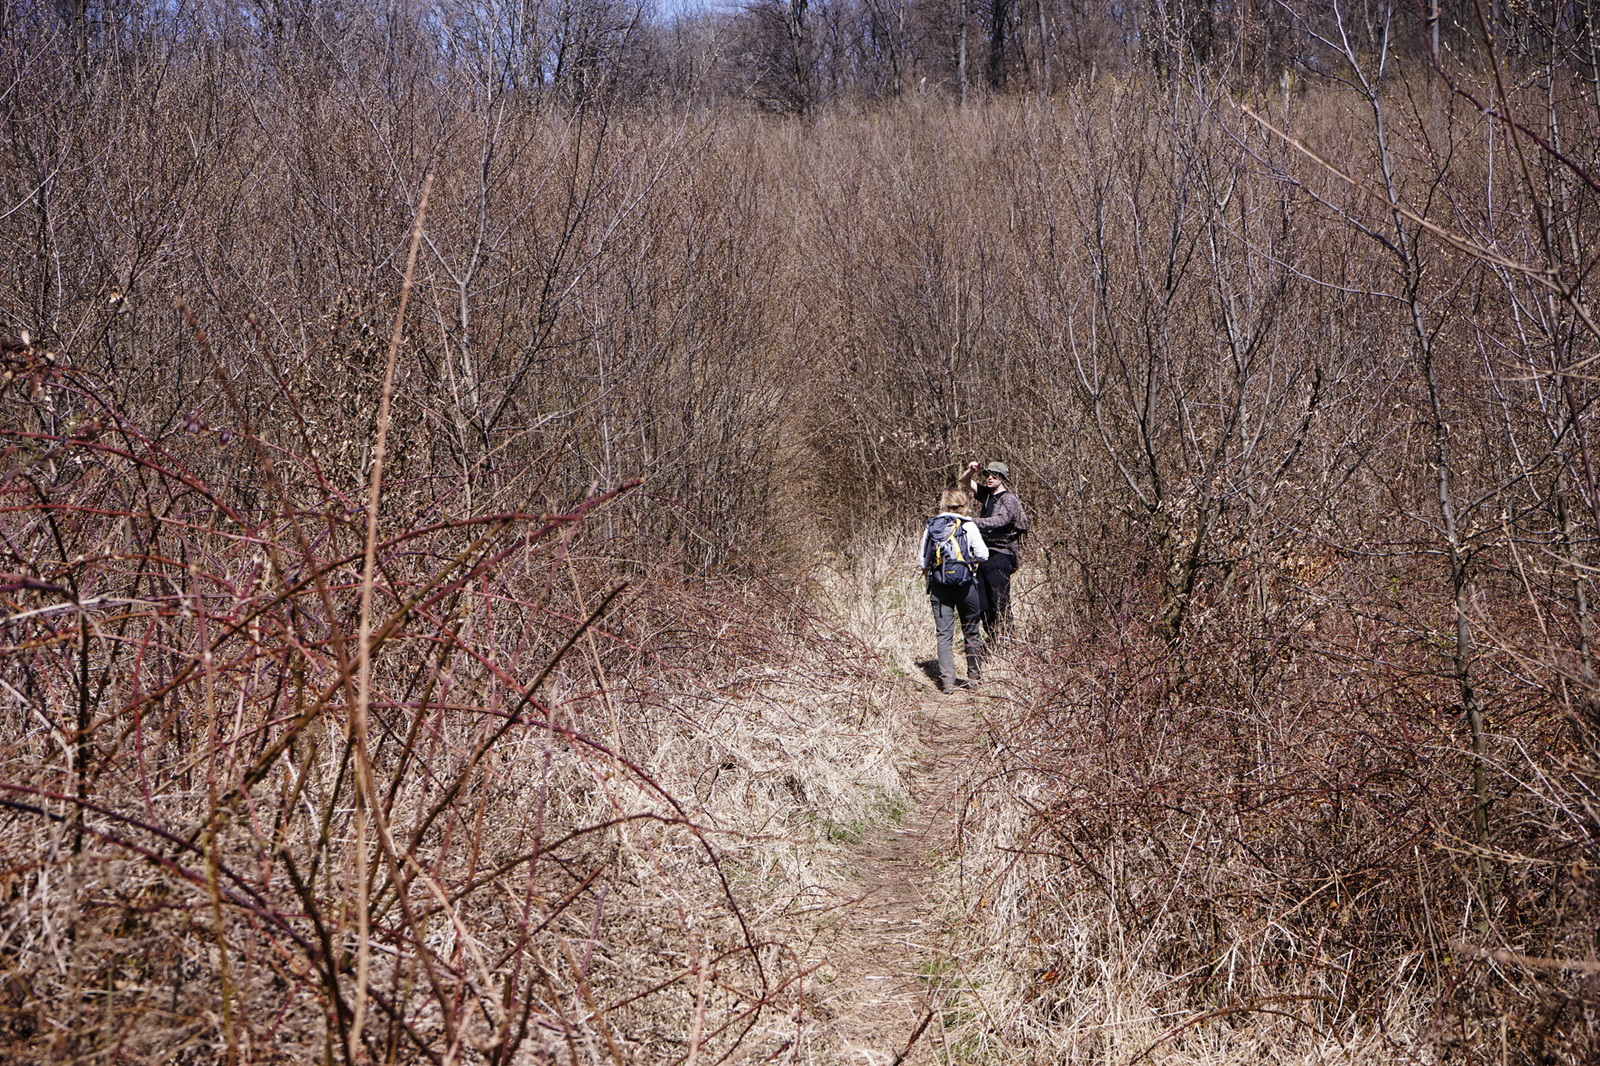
(994, 577)
(948, 605)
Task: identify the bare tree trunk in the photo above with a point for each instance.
(961, 52)
(799, 62)
(1589, 715)
(1402, 243)
(1044, 48)
(1461, 654)
(999, 15)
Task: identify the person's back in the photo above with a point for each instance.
(949, 558)
(951, 555)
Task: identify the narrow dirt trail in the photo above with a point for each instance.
(876, 943)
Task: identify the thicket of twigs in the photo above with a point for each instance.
(1311, 764)
(231, 834)
(1311, 768)
(390, 671)
(409, 644)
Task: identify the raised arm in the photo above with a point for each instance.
(968, 480)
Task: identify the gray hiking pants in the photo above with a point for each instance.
(949, 604)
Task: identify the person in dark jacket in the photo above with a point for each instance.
(1004, 524)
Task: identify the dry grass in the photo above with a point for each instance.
(1174, 874)
(585, 804)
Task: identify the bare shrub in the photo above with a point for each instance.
(1340, 803)
(200, 852)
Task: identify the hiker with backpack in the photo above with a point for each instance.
(951, 552)
(1003, 523)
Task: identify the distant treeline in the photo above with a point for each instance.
(799, 55)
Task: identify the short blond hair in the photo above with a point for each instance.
(956, 501)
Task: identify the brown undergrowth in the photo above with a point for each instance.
(556, 820)
(1303, 755)
(1246, 849)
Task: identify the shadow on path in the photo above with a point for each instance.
(930, 670)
